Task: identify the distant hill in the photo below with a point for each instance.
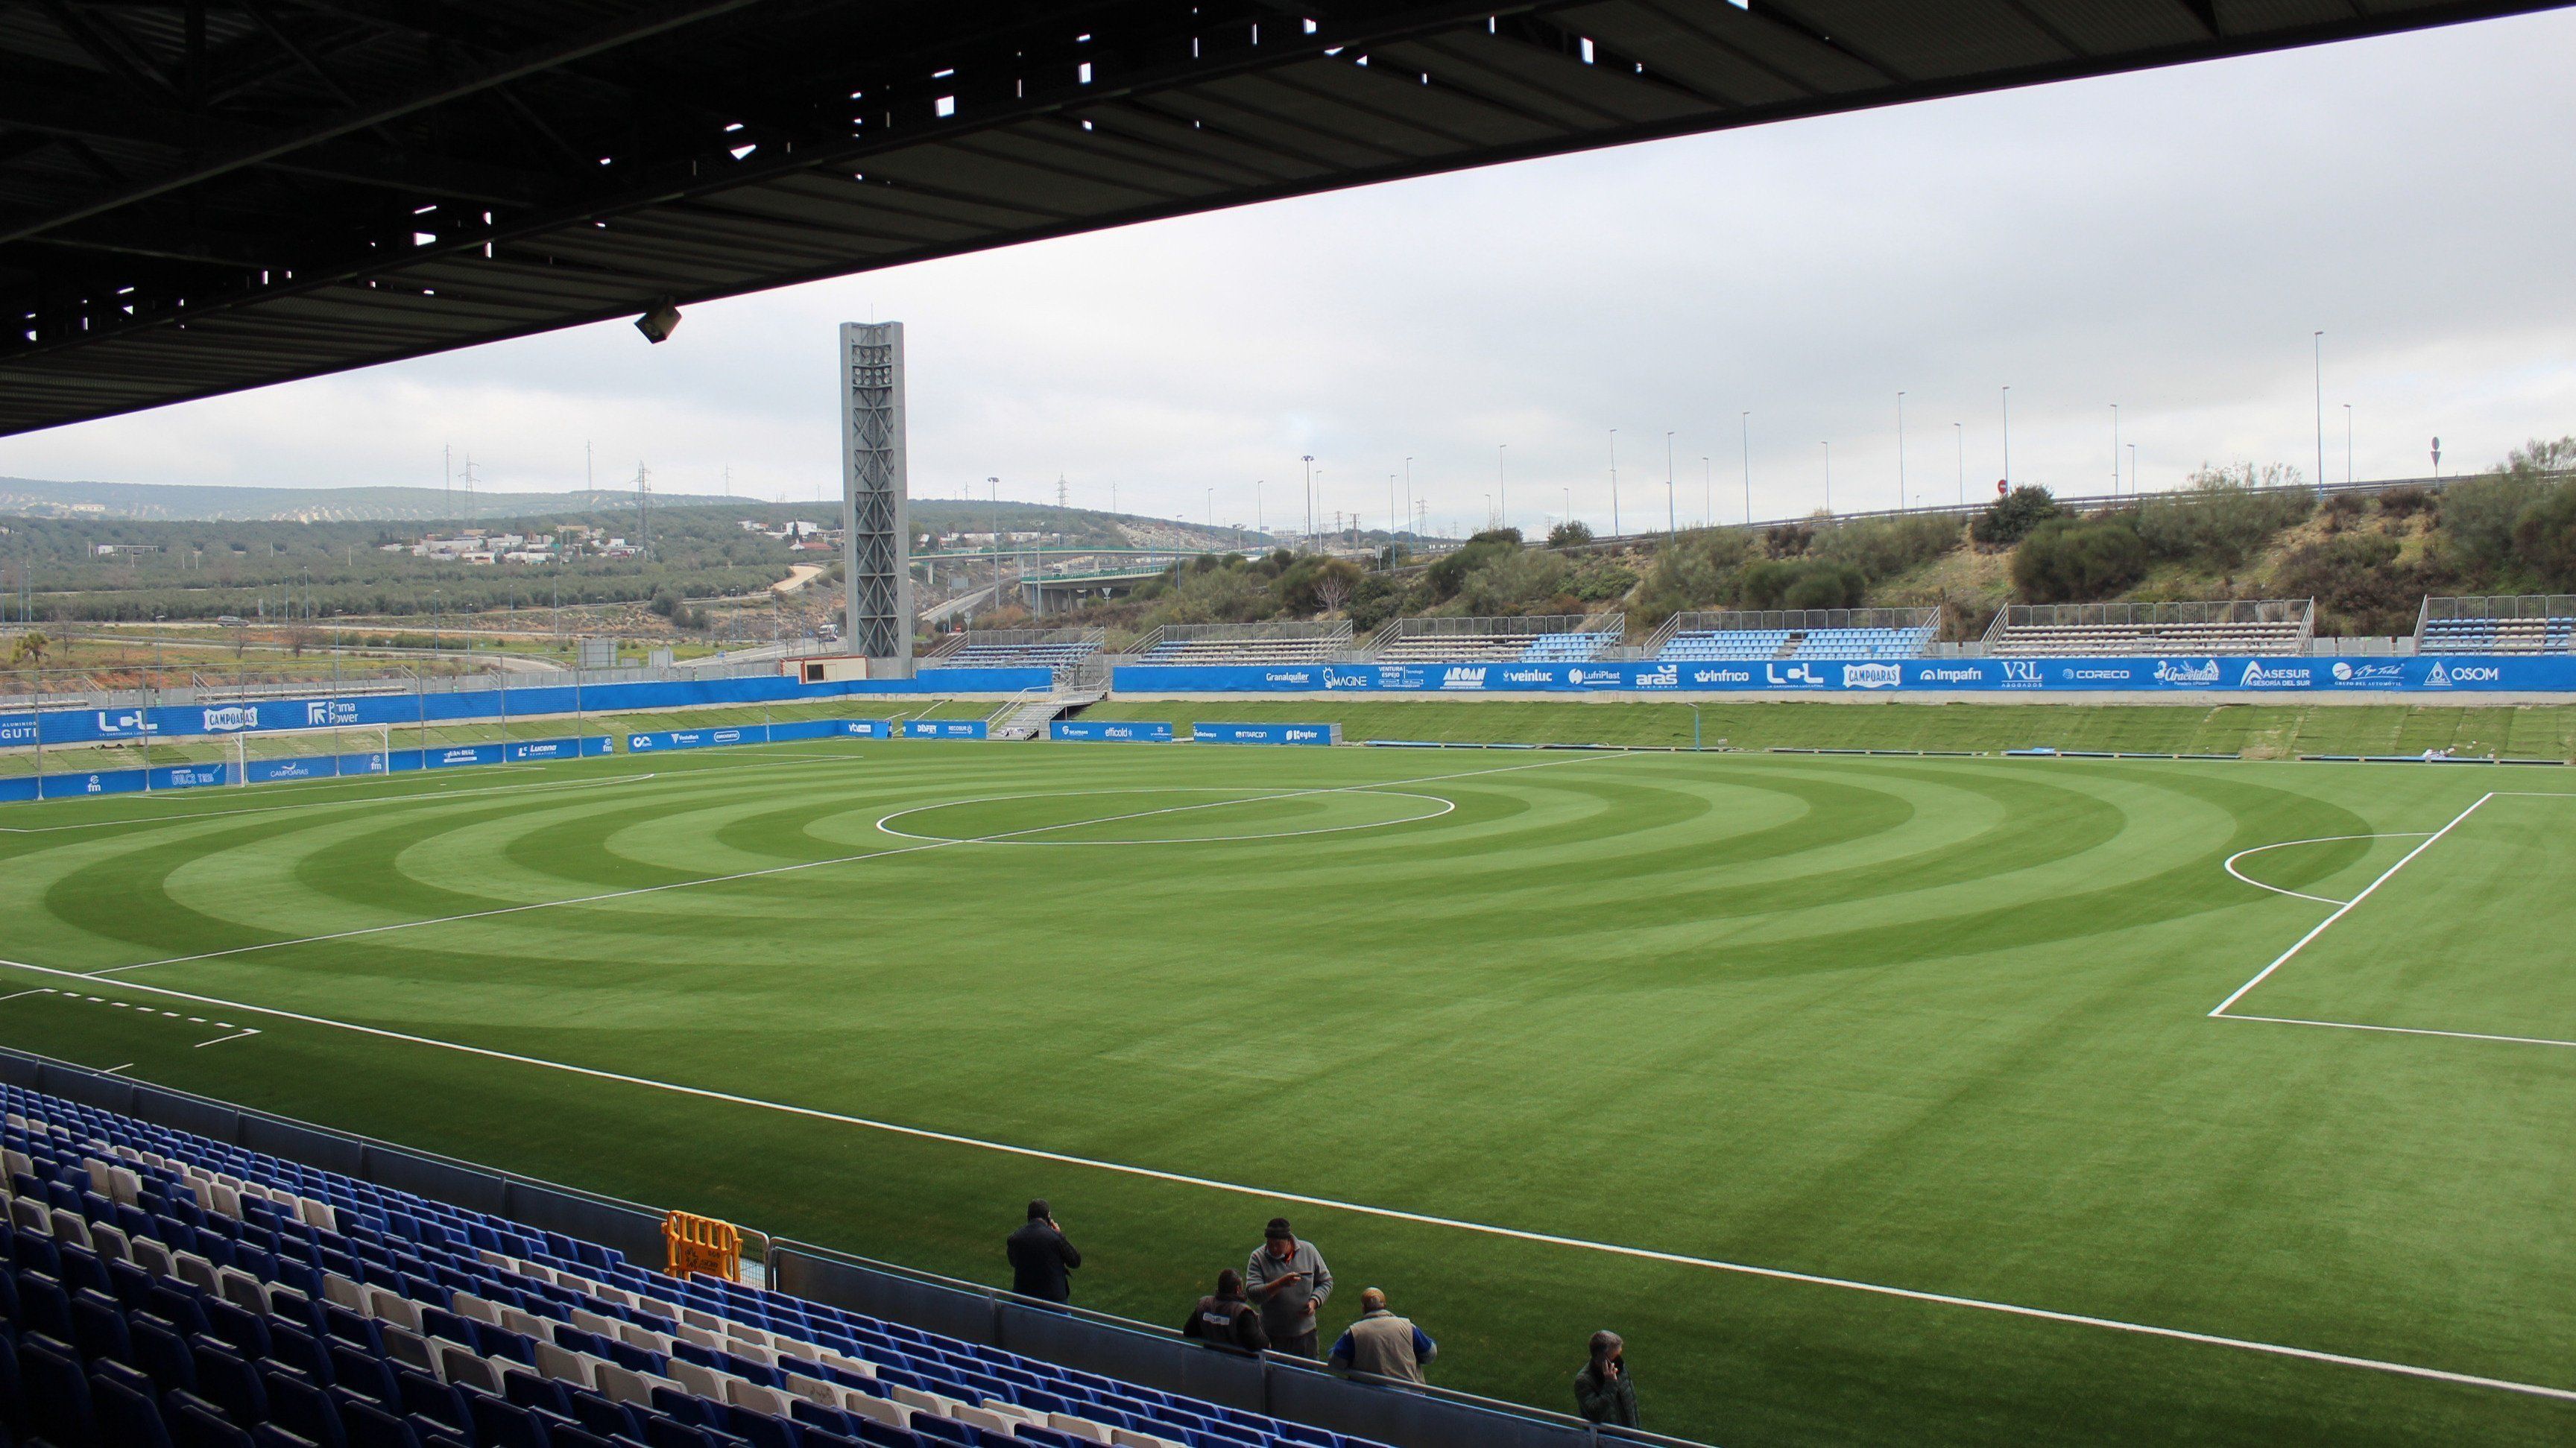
(163, 502)
(188, 503)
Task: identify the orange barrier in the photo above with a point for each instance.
(702, 1244)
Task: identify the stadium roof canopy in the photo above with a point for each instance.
(201, 197)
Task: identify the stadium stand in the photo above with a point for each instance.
(2535, 623)
(170, 1291)
(1841, 633)
(1244, 643)
(1016, 648)
(2272, 626)
(1539, 638)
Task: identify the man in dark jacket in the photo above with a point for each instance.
(1603, 1392)
(1042, 1261)
(1225, 1319)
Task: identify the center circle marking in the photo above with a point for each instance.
(1026, 836)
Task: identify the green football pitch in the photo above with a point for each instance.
(1876, 1100)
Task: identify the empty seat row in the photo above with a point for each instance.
(199, 1293)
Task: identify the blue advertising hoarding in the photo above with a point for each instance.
(113, 781)
(2428, 675)
(269, 771)
(943, 729)
(1130, 732)
(1265, 733)
(453, 755)
(18, 789)
(92, 726)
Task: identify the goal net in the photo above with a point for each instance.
(271, 757)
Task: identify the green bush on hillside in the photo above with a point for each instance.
(2067, 560)
(2220, 521)
(1885, 547)
(2010, 518)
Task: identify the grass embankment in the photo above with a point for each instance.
(2261, 731)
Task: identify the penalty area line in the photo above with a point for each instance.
(2406, 1031)
(1392, 1214)
(2346, 907)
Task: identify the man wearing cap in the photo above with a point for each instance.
(1289, 1279)
(1042, 1261)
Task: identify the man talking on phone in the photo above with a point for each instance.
(1042, 1261)
(1289, 1279)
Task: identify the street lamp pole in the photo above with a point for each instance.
(1309, 460)
(2320, 341)
(1408, 493)
(1670, 527)
(1745, 422)
(1961, 429)
(1499, 485)
(1829, 477)
(1614, 482)
(2347, 444)
(1900, 451)
(2008, 436)
(2115, 449)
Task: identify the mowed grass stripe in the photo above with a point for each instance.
(2011, 1098)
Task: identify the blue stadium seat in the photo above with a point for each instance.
(161, 1352)
(296, 1404)
(368, 1377)
(54, 1391)
(43, 1306)
(231, 1384)
(198, 1425)
(499, 1424)
(98, 1327)
(368, 1426)
(127, 1418)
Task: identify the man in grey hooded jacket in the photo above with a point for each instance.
(1289, 1280)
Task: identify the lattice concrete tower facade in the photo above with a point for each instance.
(876, 546)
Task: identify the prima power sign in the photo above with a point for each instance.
(2424, 676)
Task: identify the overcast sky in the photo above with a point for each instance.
(2167, 241)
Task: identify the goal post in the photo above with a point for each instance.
(272, 756)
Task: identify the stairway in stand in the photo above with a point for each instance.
(1029, 719)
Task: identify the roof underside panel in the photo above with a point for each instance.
(197, 198)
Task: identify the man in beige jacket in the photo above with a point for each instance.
(1383, 1344)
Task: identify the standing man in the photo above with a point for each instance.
(1383, 1344)
(1289, 1279)
(1602, 1391)
(1042, 1261)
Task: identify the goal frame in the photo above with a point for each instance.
(374, 746)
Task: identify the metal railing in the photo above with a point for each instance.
(2500, 607)
(1293, 1389)
(2297, 612)
(1797, 620)
(1524, 626)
